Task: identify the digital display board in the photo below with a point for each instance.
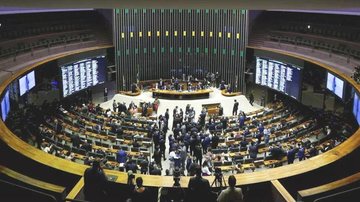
(83, 74)
(5, 105)
(279, 76)
(335, 85)
(26, 82)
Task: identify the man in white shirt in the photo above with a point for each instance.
(231, 194)
(172, 156)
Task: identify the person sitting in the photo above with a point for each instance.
(205, 169)
(222, 85)
(140, 192)
(95, 182)
(155, 170)
(231, 193)
(199, 188)
(229, 89)
(131, 165)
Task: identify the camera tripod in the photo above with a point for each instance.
(218, 181)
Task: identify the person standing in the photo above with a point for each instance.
(217, 79)
(198, 153)
(140, 192)
(221, 110)
(251, 98)
(231, 193)
(157, 157)
(301, 153)
(291, 155)
(156, 104)
(215, 141)
(105, 94)
(95, 183)
(167, 115)
(199, 188)
(114, 106)
(253, 150)
(235, 108)
(162, 147)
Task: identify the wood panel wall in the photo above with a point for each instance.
(161, 43)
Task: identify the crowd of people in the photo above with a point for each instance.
(190, 141)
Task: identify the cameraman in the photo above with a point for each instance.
(176, 175)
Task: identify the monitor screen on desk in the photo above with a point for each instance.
(335, 85)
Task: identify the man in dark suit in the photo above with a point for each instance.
(58, 127)
(251, 98)
(95, 183)
(167, 115)
(214, 141)
(253, 150)
(133, 88)
(105, 94)
(235, 108)
(291, 155)
(75, 139)
(199, 188)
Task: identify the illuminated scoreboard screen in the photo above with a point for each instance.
(279, 76)
(83, 74)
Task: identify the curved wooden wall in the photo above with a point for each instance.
(166, 181)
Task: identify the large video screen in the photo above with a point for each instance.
(83, 74)
(356, 108)
(26, 82)
(5, 105)
(335, 85)
(279, 76)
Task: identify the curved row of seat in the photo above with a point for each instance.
(21, 48)
(332, 155)
(105, 143)
(332, 47)
(15, 40)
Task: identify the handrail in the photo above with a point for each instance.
(50, 197)
(329, 186)
(75, 190)
(75, 200)
(316, 162)
(31, 181)
(282, 191)
(339, 193)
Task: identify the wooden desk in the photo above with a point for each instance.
(225, 168)
(54, 163)
(129, 93)
(225, 93)
(183, 95)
